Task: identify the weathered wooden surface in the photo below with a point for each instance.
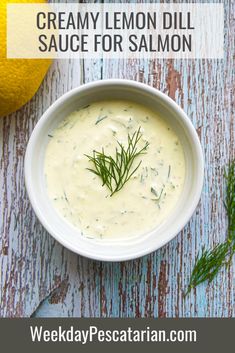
(34, 267)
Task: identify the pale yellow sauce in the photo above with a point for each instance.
(78, 195)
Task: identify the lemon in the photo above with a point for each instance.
(19, 78)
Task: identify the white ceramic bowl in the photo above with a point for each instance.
(113, 249)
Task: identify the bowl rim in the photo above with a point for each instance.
(147, 89)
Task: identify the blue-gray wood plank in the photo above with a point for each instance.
(41, 278)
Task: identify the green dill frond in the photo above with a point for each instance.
(229, 202)
(210, 262)
(116, 171)
(208, 265)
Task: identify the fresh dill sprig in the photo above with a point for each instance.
(229, 202)
(116, 171)
(208, 265)
(210, 261)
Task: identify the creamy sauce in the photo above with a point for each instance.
(78, 195)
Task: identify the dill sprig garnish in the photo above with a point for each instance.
(116, 171)
(210, 261)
